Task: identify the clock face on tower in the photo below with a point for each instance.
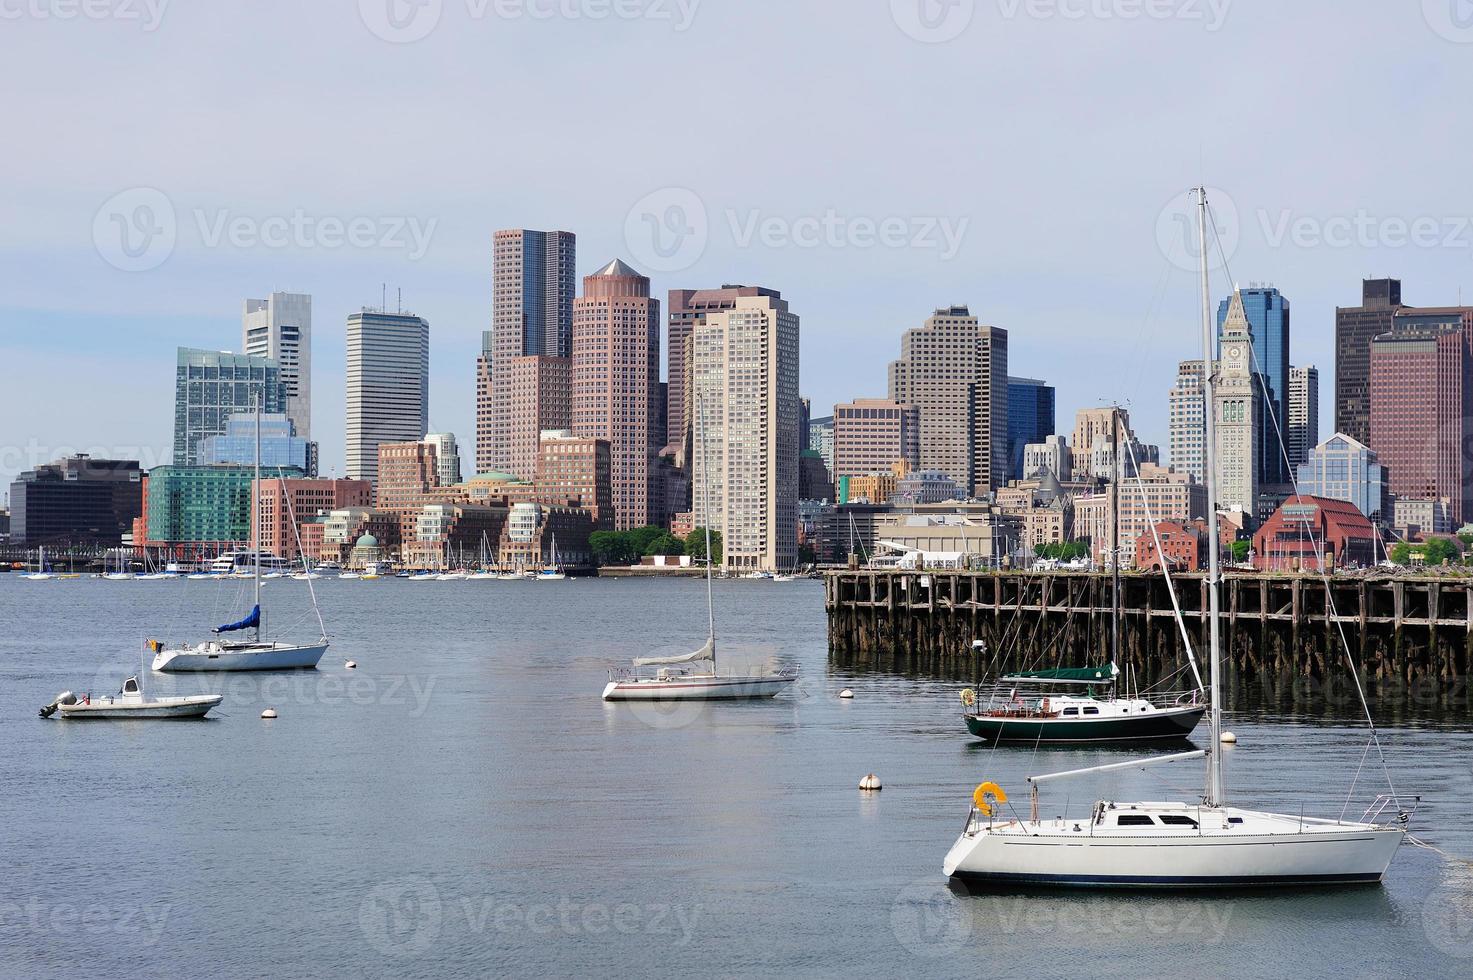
(1235, 353)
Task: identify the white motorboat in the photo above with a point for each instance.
(258, 653)
(130, 702)
(1204, 844)
(348, 575)
(694, 676)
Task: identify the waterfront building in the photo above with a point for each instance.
(925, 487)
(498, 485)
(532, 529)
(205, 507)
(576, 470)
(1355, 328)
(1421, 403)
(847, 529)
(1414, 518)
(211, 386)
(77, 500)
(941, 538)
(357, 536)
(1239, 407)
(615, 379)
(456, 535)
(1031, 419)
(295, 501)
(1155, 494)
(869, 488)
(408, 479)
(1306, 527)
(821, 439)
(685, 309)
(388, 385)
(745, 459)
(1187, 423)
(279, 327)
(954, 370)
(1303, 431)
(534, 280)
(280, 444)
(1340, 468)
(1267, 312)
(872, 434)
(538, 391)
(447, 456)
(1052, 454)
(1042, 512)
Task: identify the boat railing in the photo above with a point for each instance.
(1004, 698)
(771, 669)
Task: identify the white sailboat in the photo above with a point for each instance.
(40, 574)
(258, 653)
(1204, 844)
(553, 570)
(694, 676)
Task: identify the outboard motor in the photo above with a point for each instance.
(65, 697)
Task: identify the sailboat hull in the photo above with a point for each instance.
(1162, 724)
(196, 706)
(696, 689)
(211, 657)
(1065, 854)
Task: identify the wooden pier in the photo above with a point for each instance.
(1282, 635)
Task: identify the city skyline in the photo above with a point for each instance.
(1033, 261)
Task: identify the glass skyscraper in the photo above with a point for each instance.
(1268, 319)
(211, 386)
(1030, 419)
(280, 445)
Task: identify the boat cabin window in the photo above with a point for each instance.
(1134, 820)
(130, 686)
(1070, 711)
(1233, 820)
(1177, 820)
(1091, 711)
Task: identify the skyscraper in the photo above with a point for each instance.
(533, 283)
(1421, 388)
(1267, 313)
(616, 383)
(1091, 443)
(1187, 424)
(280, 327)
(279, 444)
(1030, 419)
(686, 308)
(871, 435)
(1355, 328)
(745, 413)
(210, 386)
(1341, 468)
(955, 370)
(1303, 430)
(1238, 397)
(388, 385)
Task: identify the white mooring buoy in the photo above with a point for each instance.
(351, 665)
(846, 694)
(269, 713)
(1228, 738)
(870, 783)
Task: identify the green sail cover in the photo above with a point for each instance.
(1084, 675)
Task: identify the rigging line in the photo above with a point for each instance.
(1331, 609)
(1432, 847)
(1160, 553)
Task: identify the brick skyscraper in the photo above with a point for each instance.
(1355, 328)
(616, 383)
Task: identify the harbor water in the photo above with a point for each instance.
(463, 803)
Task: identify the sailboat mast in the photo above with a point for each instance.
(1114, 535)
(256, 515)
(1215, 787)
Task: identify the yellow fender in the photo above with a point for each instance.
(981, 794)
(969, 697)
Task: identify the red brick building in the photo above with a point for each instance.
(1184, 544)
(1304, 527)
(308, 499)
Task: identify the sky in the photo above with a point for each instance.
(871, 159)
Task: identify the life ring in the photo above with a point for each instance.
(969, 697)
(981, 794)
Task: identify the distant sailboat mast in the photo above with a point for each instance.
(256, 512)
(1215, 787)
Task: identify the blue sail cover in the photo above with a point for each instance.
(254, 619)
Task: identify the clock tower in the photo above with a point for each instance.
(1238, 412)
